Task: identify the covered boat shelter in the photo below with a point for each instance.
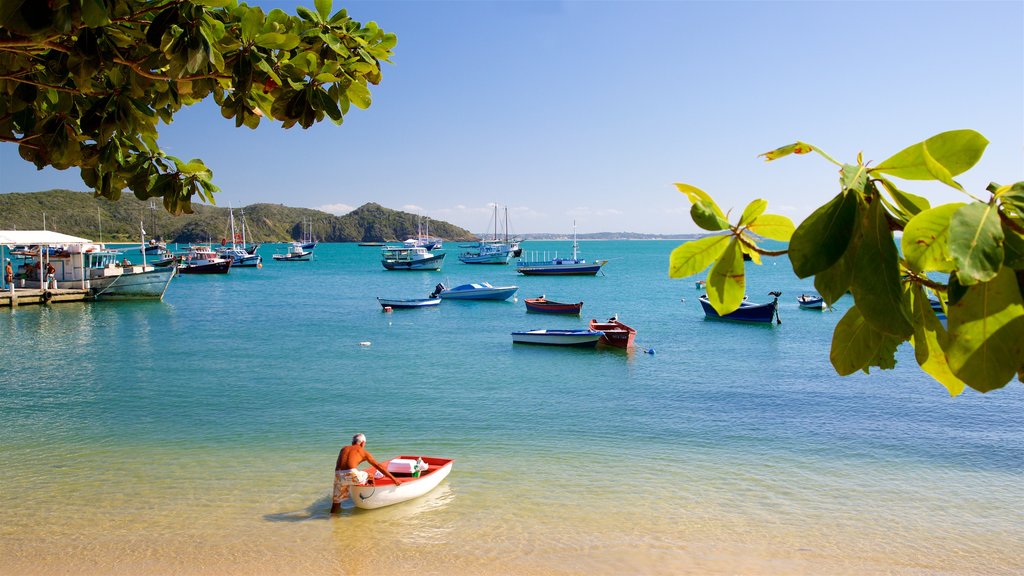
(36, 244)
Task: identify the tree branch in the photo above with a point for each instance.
(760, 250)
(41, 85)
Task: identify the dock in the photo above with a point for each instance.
(23, 296)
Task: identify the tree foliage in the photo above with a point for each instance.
(85, 83)
(969, 255)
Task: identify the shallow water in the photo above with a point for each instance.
(198, 434)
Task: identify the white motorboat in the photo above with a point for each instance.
(582, 338)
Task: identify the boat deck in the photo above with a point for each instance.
(23, 296)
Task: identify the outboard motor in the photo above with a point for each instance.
(437, 290)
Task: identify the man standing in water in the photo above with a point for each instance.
(347, 473)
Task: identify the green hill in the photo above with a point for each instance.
(80, 214)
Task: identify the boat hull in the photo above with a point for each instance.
(560, 268)
(496, 293)
(543, 306)
(146, 285)
(754, 313)
(430, 263)
(576, 338)
(616, 333)
(221, 267)
(811, 303)
(408, 303)
(294, 257)
(485, 259)
(385, 493)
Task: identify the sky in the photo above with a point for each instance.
(589, 111)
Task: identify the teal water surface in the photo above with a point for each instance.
(211, 419)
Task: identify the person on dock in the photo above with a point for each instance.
(347, 472)
(9, 274)
(51, 282)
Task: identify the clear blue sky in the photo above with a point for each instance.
(591, 110)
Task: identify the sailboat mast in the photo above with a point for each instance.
(231, 211)
(574, 245)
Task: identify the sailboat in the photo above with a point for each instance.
(237, 254)
(307, 243)
(156, 246)
(556, 266)
(492, 251)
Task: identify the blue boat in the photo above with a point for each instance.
(747, 312)
(476, 291)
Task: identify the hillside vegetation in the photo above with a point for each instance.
(80, 214)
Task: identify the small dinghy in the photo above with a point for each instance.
(616, 333)
(416, 481)
(545, 306)
(407, 302)
(582, 338)
(811, 302)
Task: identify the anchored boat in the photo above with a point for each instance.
(546, 306)
(476, 291)
(581, 338)
(616, 333)
(747, 312)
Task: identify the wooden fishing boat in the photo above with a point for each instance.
(581, 338)
(545, 306)
(408, 302)
(380, 492)
(811, 302)
(477, 291)
(615, 333)
(747, 312)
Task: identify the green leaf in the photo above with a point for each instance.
(753, 210)
(252, 24)
(833, 282)
(876, 276)
(705, 215)
(853, 177)
(773, 227)
(323, 7)
(976, 242)
(727, 281)
(912, 204)
(986, 329)
(956, 151)
(307, 14)
(822, 238)
(94, 13)
(696, 255)
(277, 41)
(359, 95)
(930, 342)
(938, 170)
(854, 343)
(214, 3)
(696, 195)
(1013, 248)
(926, 239)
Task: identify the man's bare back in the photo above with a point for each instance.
(352, 456)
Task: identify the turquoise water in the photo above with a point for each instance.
(199, 434)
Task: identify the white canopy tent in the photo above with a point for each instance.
(37, 238)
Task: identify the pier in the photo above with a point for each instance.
(23, 296)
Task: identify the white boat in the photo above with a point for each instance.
(476, 291)
(80, 264)
(582, 338)
(492, 251)
(240, 257)
(383, 492)
(295, 253)
(407, 302)
(410, 257)
(811, 301)
(203, 260)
